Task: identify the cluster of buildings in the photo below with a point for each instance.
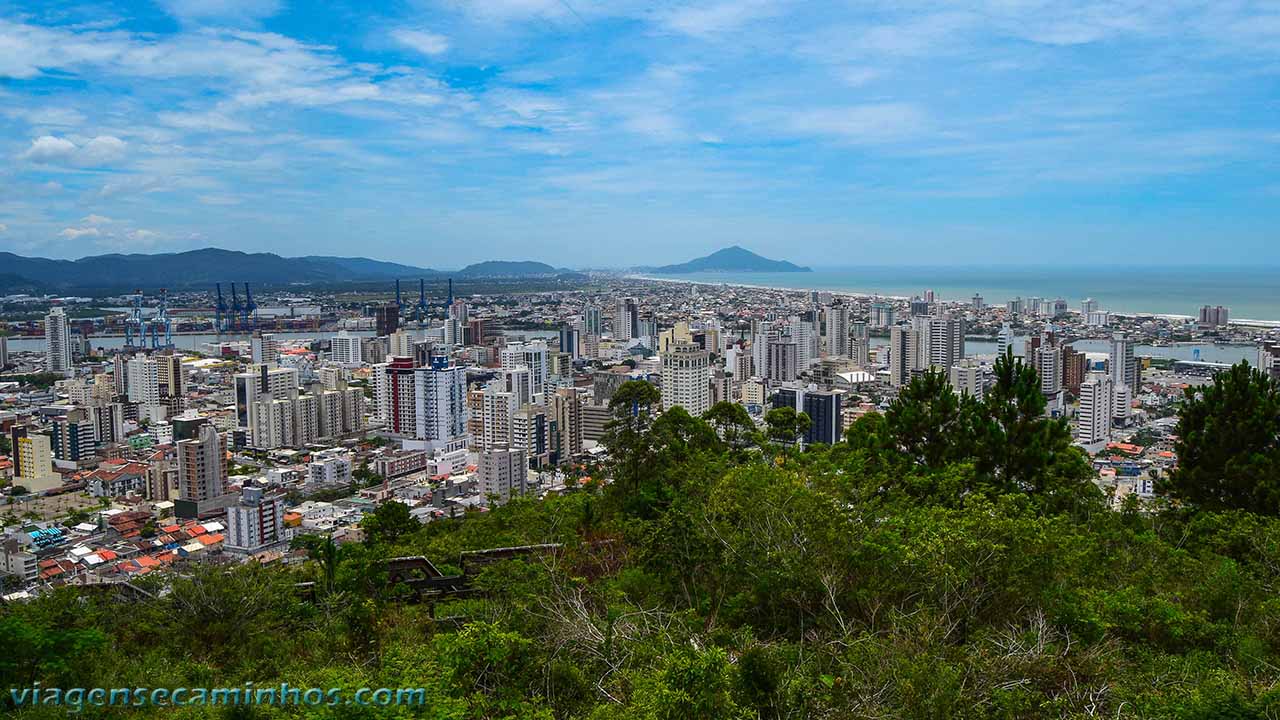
(228, 453)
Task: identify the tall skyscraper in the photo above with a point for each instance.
(499, 407)
(626, 321)
(440, 400)
(943, 341)
(169, 376)
(1004, 340)
(860, 343)
(904, 344)
(591, 324)
(569, 341)
(781, 361)
(1122, 364)
(1093, 420)
(686, 378)
(566, 409)
(531, 434)
(386, 319)
(74, 436)
(143, 374)
(57, 341)
(804, 332)
(202, 471)
(1049, 365)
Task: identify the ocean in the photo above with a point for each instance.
(1250, 293)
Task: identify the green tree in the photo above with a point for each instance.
(1018, 449)
(627, 436)
(733, 424)
(388, 523)
(930, 424)
(1229, 444)
(787, 426)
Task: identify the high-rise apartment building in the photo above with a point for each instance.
(143, 374)
(1093, 419)
(781, 361)
(1213, 317)
(532, 355)
(822, 407)
(904, 344)
(1122, 364)
(566, 409)
(255, 522)
(966, 379)
(344, 349)
(626, 320)
(263, 381)
(57, 342)
(33, 461)
(686, 378)
(202, 471)
(264, 348)
(503, 472)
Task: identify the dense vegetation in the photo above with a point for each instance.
(950, 559)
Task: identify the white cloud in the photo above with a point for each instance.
(48, 148)
(77, 233)
(427, 43)
(202, 121)
(240, 10)
(858, 124)
(706, 21)
(96, 220)
(3, 228)
(96, 152)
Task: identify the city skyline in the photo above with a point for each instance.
(543, 128)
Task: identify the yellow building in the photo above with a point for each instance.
(34, 467)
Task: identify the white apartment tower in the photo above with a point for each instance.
(1093, 420)
(686, 378)
(344, 349)
(57, 341)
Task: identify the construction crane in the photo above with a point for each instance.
(236, 308)
(133, 326)
(162, 323)
(250, 309)
(422, 301)
(220, 310)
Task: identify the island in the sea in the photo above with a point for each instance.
(730, 259)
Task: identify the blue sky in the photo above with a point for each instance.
(593, 134)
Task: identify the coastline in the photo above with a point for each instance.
(865, 295)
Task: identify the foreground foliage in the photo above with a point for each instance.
(950, 559)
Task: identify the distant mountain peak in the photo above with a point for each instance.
(734, 258)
